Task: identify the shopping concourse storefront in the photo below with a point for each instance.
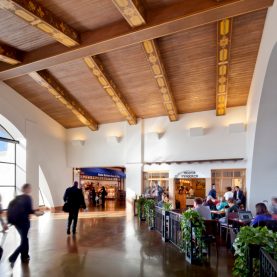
(112, 179)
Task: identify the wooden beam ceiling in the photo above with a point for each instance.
(108, 85)
(10, 55)
(158, 70)
(224, 36)
(133, 13)
(181, 16)
(36, 15)
(44, 79)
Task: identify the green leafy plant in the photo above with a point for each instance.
(167, 206)
(248, 236)
(149, 209)
(140, 206)
(192, 227)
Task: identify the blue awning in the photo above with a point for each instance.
(102, 172)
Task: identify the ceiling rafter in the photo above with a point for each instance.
(47, 81)
(97, 70)
(10, 55)
(132, 11)
(162, 22)
(134, 14)
(36, 15)
(224, 36)
(153, 56)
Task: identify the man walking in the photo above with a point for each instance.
(75, 200)
(18, 214)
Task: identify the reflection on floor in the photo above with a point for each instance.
(110, 246)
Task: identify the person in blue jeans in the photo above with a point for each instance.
(24, 208)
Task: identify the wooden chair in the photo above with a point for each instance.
(228, 225)
(211, 235)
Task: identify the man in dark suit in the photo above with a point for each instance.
(239, 196)
(75, 199)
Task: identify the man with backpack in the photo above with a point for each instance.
(74, 198)
(18, 214)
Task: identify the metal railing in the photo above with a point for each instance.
(175, 235)
(268, 266)
(158, 219)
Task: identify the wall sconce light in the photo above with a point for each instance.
(196, 132)
(236, 128)
(78, 142)
(155, 135)
(114, 139)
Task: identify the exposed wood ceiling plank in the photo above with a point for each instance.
(158, 70)
(132, 11)
(36, 15)
(224, 36)
(44, 79)
(117, 36)
(108, 85)
(10, 55)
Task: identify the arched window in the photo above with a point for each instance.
(7, 166)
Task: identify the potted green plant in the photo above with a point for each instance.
(149, 208)
(248, 242)
(167, 206)
(140, 208)
(192, 228)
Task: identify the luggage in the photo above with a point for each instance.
(15, 210)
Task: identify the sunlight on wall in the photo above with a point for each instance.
(45, 191)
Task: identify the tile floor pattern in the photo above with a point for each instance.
(104, 246)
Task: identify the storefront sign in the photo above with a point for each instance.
(187, 174)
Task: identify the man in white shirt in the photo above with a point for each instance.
(204, 211)
(228, 194)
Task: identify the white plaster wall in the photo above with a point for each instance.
(45, 143)
(177, 145)
(269, 39)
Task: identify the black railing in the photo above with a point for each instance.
(175, 235)
(159, 219)
(268, 266)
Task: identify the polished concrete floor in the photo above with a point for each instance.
(104, 246)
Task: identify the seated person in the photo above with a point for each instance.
(222, 205)
(204, 211)
(210, 202)
(165, 199)
(228, 194)
(239, 196)
(273, 206)
(233, 208)
(262, 214)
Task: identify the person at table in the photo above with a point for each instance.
(239, 196)
(165, 199)
(210, 203)
(204, 211)
(262, 214)
(222, 205)
(228, 194)
(233, 207)
(212, 192)
(273, 206)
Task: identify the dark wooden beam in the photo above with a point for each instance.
(186, 15)
(97, 70)
(224, 37)
(159, 73)
(47, 81)
(132, 11)
(36, 15)
(10, 55)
